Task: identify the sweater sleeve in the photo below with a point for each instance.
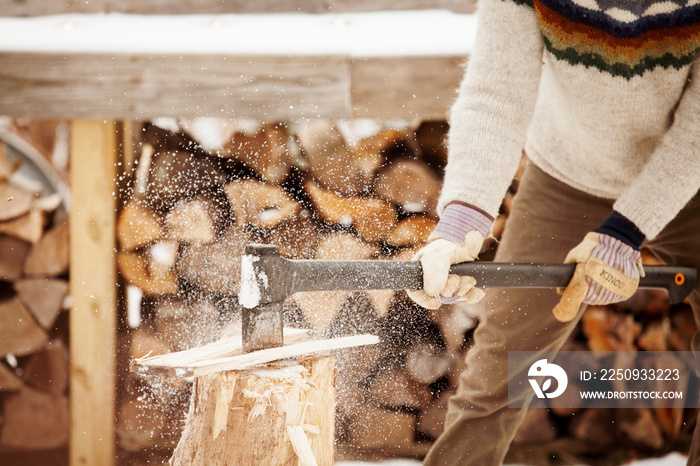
(489, 119)
(671, 177)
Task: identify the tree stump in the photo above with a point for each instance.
(282, 414)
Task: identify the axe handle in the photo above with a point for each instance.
(323, 275)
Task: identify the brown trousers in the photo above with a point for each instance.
(548, 218)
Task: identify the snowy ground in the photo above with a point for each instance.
(673, 459)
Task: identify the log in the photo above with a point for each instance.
(43, 297)
(21, 335)
(49, 256)
(178, 175)
(426, 363)
(373, 219)
(331, 162)
(281, 415)
(683, 329)
(392, 388)
(432, 419)
(215, 267)
(28, 227)
(297, 238)
(454, 321)
(47, 370)
(34, 420)
(410, 184)
(595, 425)
(138, 225)
(141, 270)
(537, 427)
(9, 382)
(379, 428)
(431, 136)
(265, 152)
(654, 337)
(197, 220)
(260, 204)
(412, 231)
(609, 331)
(8, 165)
(640, 427)
(15, 201)
(13, 254)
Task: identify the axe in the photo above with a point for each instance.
(267, 279)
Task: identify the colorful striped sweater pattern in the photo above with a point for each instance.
(621, 37)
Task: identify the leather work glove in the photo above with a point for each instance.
(608, 270)
(458, 237)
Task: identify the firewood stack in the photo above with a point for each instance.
(34, 359)
(327, 190)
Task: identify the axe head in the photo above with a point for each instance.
(264, 285)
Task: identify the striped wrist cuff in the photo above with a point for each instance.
(457, 220)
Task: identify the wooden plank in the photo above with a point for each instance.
(92, 281)
(139, 87)
(405, 87)
(169, 7)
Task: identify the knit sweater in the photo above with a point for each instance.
(603, 95)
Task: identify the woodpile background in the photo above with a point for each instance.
(339, 190)
(34, 358)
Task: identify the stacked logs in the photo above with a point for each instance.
(34, 359)
(326, 190)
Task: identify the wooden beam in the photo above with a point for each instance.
(138, 87)
(169, 7)
(93, 290)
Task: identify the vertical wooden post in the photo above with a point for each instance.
(93, 291)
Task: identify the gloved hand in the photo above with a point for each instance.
(457, 238)
(608, 271)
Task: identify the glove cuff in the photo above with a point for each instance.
(459, 219)
(621, 228)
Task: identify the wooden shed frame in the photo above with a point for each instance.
(101, 91)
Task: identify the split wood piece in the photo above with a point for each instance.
(215, 267)
(426, 363)
(143, 424)
(265, 152)
(194, 221)
(281, 415)
(151, 271)
(392, 388)
(145, 343)
(9, 382)
(320, 308)
(410, 184)
(595, 425)
(210, 133)
(15, 201)
(332, 164)
(243, 361)
(499, 226)
(536, 428)
(431, 137)
(49, 256)
(568, 403)
(33, 420)
(297, 238)
(654, 337)
(28, 227)
(224, 347)
(13, 255)
(187, 323)
(640, 427)
(8, 165)
(260, 204)
(382, 299)
(379, 428)
(47, 370)
(43, 297)
(20, 334)
(432, 419)
(609, 331)
(454, 321)
(178, 175)
(138, 225)
(683, 329)
(373, 219)
(412, 231)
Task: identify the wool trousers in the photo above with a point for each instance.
(548, 218)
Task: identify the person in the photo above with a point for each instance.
(603, 96)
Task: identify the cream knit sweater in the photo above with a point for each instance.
(604, 95)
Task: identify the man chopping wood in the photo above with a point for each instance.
(604, 97)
